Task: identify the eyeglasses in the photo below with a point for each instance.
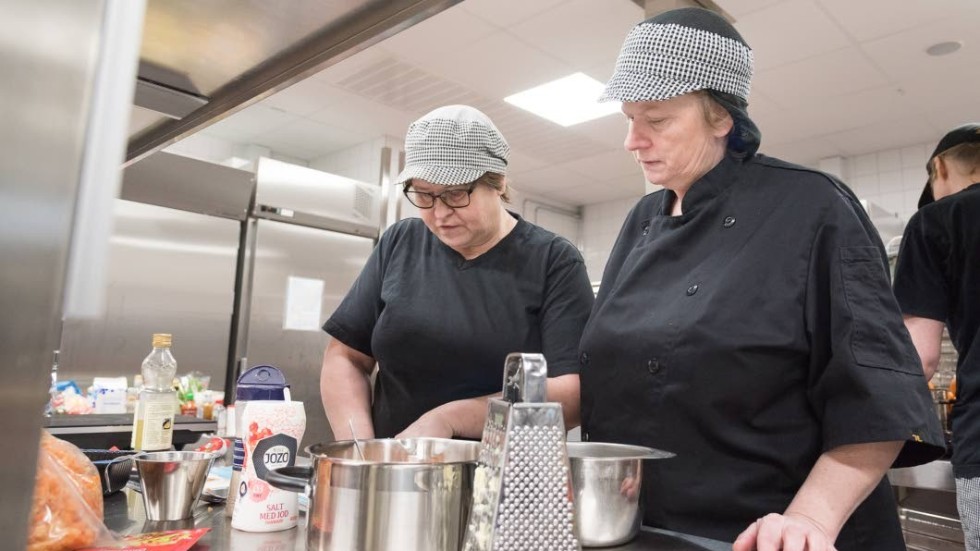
(453, 198)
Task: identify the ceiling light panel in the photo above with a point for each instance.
(567, 101)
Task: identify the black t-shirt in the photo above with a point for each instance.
(440, 326)
(748, 336)
(938, 277)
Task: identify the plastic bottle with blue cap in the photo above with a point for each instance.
(271, 427)
(261, 382)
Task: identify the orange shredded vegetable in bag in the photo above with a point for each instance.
(66, 512)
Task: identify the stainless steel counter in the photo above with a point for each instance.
(124, 514)
(927, 506)
(937, 475)
(104, 430)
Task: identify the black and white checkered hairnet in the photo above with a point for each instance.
(686, 50)
(453, 145)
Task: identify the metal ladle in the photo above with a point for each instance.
(357, 445)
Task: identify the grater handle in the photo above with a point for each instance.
(525, 378)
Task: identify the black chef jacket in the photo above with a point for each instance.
(938, 277)
(749, 335)
(440, 326)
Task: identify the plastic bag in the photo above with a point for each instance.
(66, 512)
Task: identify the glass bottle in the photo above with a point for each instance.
(153, 421)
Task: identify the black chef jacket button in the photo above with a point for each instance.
(585, 357)
(692, 289)
(645, 228)
(653, 366)
(729, 221)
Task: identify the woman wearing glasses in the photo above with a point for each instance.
(444, 298)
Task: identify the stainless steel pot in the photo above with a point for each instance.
(607, 479)
(403, 494)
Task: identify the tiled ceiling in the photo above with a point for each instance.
(833, 77)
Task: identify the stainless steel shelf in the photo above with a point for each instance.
(937, 475)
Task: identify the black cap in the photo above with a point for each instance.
(968, 133)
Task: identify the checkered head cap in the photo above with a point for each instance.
(678, 52)
(453, 145)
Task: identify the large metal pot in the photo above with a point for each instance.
(385, 494)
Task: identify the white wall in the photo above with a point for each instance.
(891, 179)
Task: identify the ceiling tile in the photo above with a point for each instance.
(869, 19)
(505, 13)
(760, 103)
(601, 71)
(308, 139)
(250, 122)
(789, 31)
(903, 55)
(833, 114)
(497, 66)
(407, 87)
(884, 135)
(836, 73)
(357, 114)
(945, 117)
(955, 95)
(740, 8)
(609, 130)
(353, 64)
(303, 98)
(558, 31)
(447, 30)
(519, 163)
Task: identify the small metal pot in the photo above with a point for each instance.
(607, 479)
(385, 494)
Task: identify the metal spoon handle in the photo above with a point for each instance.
(353, 435)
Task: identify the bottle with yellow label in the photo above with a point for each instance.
(153, 421)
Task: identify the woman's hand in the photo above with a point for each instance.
(787, 532)
(432, 425)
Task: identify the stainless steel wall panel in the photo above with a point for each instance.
(283, 251)
(169, 272)
(45, 102)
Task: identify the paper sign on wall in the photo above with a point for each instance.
(304, 298)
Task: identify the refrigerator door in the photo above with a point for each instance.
(300, 275)
(170, 271)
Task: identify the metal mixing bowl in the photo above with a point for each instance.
(607, 479)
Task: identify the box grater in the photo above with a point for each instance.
(522, 493)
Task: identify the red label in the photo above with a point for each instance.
(173, 540)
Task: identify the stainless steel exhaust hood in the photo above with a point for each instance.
(203, 61)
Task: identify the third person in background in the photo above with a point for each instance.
(937, 283)
(745, 319)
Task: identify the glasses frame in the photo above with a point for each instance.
(440, 196)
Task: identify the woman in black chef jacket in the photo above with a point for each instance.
(444, 298)
(745, 320)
